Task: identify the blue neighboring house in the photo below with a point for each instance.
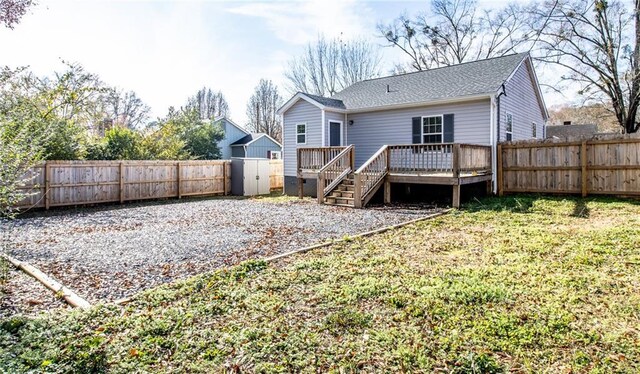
(238, 142)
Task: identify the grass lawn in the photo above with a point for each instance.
(520, 284)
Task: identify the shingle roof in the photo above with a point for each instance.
(466, 79)
(326, 101)
(246, 139)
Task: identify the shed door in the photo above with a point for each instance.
(264, 173)
(250, 174)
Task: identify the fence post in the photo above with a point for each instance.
(227, 181)
(499, 170)
(179, 180)
(121, 170)
(583, 168)
(47, 177)
(224, 177)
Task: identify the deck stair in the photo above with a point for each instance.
(343, 193)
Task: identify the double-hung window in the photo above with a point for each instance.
(301, 133)
(509, 126)
(432, 129)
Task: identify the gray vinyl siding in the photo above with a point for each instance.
(300, 112)
(339, 117)
(372, 130)
(237, 152)
(522, 103)
(260, 147)
(231, 134)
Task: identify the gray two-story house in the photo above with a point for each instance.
(440, 122)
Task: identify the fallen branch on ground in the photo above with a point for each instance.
(69, 296)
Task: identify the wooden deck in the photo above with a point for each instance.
(439, 178)
(451, 164)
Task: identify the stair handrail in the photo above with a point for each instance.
(339, 168)
(370, 174)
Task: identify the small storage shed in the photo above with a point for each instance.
(250, 176)
(257, 146)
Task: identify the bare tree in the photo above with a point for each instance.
(209, 104)
(457, 31)
(12, 11)
(262, 108)
(328, 66)
(126, 109)
(594, 43)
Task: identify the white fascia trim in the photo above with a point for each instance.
(232, 123)
(306, 98)
(421, 104)
(532, 72)
(515, 70)
(261, 135)
(534, 78)
(323, 129)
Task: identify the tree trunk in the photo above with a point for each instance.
(632, 124)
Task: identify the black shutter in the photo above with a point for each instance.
(416, 130)
(447, 129)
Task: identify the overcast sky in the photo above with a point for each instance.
(166, 50)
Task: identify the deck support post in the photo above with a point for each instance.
(320, 188)
(387, 190)
(300, 180)
(357, 193)
(456, 196)
(387, 178)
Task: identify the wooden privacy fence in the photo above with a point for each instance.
(276, 175)
(62, 183)
(595, 166)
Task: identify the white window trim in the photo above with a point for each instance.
(305, 133)
(506, 125)
(432, 133)
(341, 131)
(534, 130)
(279, 153)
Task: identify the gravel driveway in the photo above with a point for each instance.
(111, 252)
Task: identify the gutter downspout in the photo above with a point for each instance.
(495, 140)
(503, 92)
(492, 142)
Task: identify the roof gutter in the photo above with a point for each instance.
(389, 107)
(420, 104)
